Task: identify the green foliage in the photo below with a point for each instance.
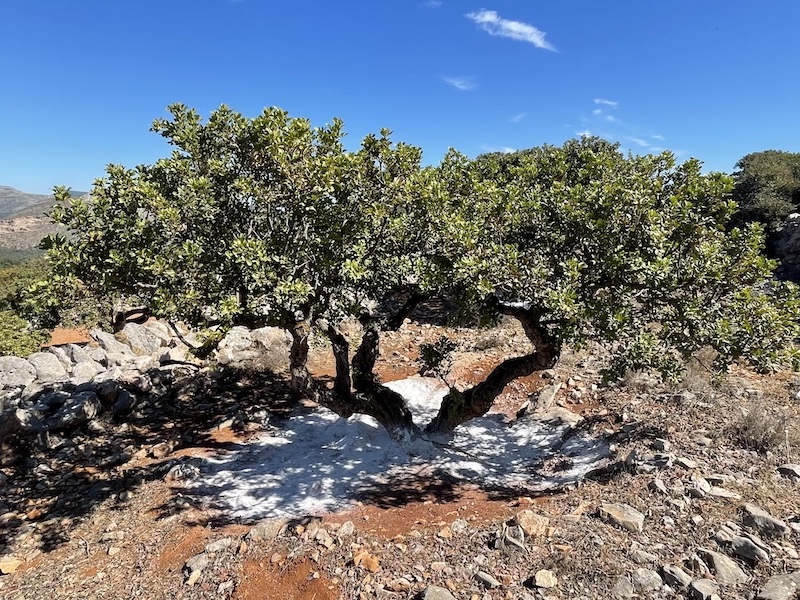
(767, 187)
(268, 220)
(17, 338)
(437, 358)
(634, 252)
(248, 221)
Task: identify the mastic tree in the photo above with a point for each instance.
(269, 221)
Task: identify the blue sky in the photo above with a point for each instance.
(83, 79)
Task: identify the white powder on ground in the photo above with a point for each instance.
(315, 462)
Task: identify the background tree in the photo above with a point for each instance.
(270, 221)
(767, 187)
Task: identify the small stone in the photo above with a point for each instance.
(114, 550)
(623, 588)
(225, 587)
(746, 548)
(623, 515)
(487, 580)
(267, 530)
(720, 492)
(703, 589)
(160, 450)
(532, 524)
(790, 471)
(197, 563)
(220, 545)
(545, 578)
(640, 556)
(686, 463)
(9, 564)
(645, 580)
(662, 445)
(193, 578)
(459, 526)
(347, 529)
(434, 592)
(401, 584)
(438, 567)
(780, 587)
(760, 520)
(658, 486)
(676, 577)
(725, 569)
(445, 533)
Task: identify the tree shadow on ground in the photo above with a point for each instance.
(315, 463)
(51, 482)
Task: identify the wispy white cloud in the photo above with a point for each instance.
(503, 149)
(603, 101)
(606, 121)
(494, 24)
(461, 83)
(431, 4)
(518, 117)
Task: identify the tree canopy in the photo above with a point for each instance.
(767, 186)
(272, 221)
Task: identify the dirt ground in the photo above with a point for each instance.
(113, 523)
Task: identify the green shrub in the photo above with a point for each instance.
(17, 338)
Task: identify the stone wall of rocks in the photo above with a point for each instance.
(66, 386)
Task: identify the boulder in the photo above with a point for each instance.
(141, 339)
(16, 372)
(780, 587)
(85, 371)
(48, 368)
(109, 343)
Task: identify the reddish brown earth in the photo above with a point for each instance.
(405, 534)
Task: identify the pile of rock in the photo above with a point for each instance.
(67, 386)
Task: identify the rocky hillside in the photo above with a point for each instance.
(23, 222)
(99, 498)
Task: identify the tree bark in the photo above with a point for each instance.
(298, 357)
(458, 407)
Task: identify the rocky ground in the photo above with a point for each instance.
(702, 496)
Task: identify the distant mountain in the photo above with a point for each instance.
(14, 203)
(23, 223)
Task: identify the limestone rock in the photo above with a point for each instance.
(16, 372)
(142, 340)
(109, 343)
(623, 588)
(48, 368)
(646, 580)
(780, 587)
(748, 549)
(79, 409)
(85, 371)
(545, 578)
(220, 545)
(266, 530)
(676, 577)
(487, 580)
(434, 592)
(761, 521)
(532, 524)
(9, 564)
(623, 515)
(725, 569)
(790, 471)
(703, 589)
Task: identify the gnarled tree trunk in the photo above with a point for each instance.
(458, 407)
